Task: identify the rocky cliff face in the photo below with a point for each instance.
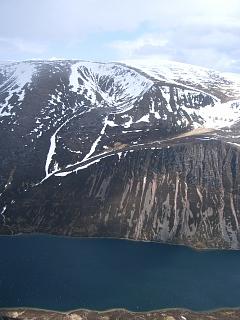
(91, 149)
(185, 193)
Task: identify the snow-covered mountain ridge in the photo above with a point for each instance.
(118, 86)
(134, 101)
(225, 86)
(67, 121)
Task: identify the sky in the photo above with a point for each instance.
(200, 32)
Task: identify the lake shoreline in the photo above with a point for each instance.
(192, 247)
(111, 314)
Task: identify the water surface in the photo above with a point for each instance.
(62, 273)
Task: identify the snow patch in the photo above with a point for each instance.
(144, 119)
(123, 87)
(19, 75)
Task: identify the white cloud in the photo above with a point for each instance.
(203, 31)
(62, 19)
(22, 45)
(206, 34)
(56, 19)
(129, 48)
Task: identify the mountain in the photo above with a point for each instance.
(135, 149)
